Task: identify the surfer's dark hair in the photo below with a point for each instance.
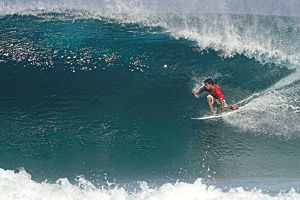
(209, 81)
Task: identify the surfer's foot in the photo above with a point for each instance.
(233, 107)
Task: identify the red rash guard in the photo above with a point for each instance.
(216, 92)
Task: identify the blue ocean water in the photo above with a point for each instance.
(97, 105)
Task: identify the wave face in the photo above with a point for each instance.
(102, 91)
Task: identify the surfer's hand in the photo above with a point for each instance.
(213, 113)
(195, 91)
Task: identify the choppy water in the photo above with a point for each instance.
(97, 105)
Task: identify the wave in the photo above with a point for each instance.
(19, 185)
(88, 55)
(273, 41)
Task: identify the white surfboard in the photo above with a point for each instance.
(216, 116)
(220, 116)
(208, 117)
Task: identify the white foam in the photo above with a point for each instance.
(265, 40)
(273, 113)
(20, 186)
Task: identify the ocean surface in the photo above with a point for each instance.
(97, 103)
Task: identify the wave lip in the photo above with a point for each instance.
(268, 39)
(20, 186)
(271, 7)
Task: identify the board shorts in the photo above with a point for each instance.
(217, 100)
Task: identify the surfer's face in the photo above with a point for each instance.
(207, 86)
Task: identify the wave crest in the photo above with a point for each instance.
(268, 39)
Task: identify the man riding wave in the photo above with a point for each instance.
(215, 93)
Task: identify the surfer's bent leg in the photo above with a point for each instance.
(210, 100)
(225, 104)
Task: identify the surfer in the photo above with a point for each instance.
(215, 93)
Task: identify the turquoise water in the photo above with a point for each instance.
(110, 101)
